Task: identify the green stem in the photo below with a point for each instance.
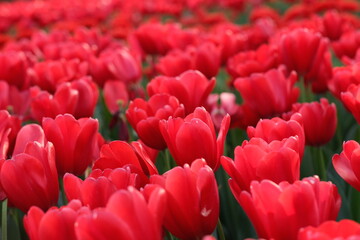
(321, 164)
(220, 230)
(4, 220)
(354, 203)
(169, 236)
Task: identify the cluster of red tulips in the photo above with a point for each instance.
(180, 119)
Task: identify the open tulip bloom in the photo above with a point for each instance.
(180, 120)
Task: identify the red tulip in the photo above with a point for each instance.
(144, 117)
(48, 75)
(255, 160)
(274, 92)
(347, 44)
(329, 230)
(191, 88)
(119, 154)
(351, 101)
(30, 178)
(115, 64)
(75, 142)
(116, 96)
(56, 223)
(279, 129)
(194, 137)
(128, 215)
(192, 208)
(346, 163)
(14, 67)
(302, 50)
(271, 206)
(343, 77)
(319, 121)
(261, 60)
(98, 187)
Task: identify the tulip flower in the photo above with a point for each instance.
(56, 223)
(255, 160)
(279, 129)
(98, 187)
(271, 206)
(302, 50)
(115, 96)
(245, 63)
(75, 142)
(343, 77)
(319, 121)
(192, 208)
(128, 215)
(30, 178)
(351, 101)
(144, 117)
(344, 229)
(346, 163)
(191, 88)
(194, 137)
(274, 92)
(117, 154)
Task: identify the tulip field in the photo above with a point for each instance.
(180, 119)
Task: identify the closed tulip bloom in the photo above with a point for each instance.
(30, 178)
(350, 99)
(56, 223)
(347, 163)
(115, 96)
(255, 160)
(319, 121)
(191, 88)
(194, 137)
(271, 206)
(302, 50)
(329, 230)
(274, 93)
(144, 117)
(75, 142)
(192, 208)
(98, 187)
